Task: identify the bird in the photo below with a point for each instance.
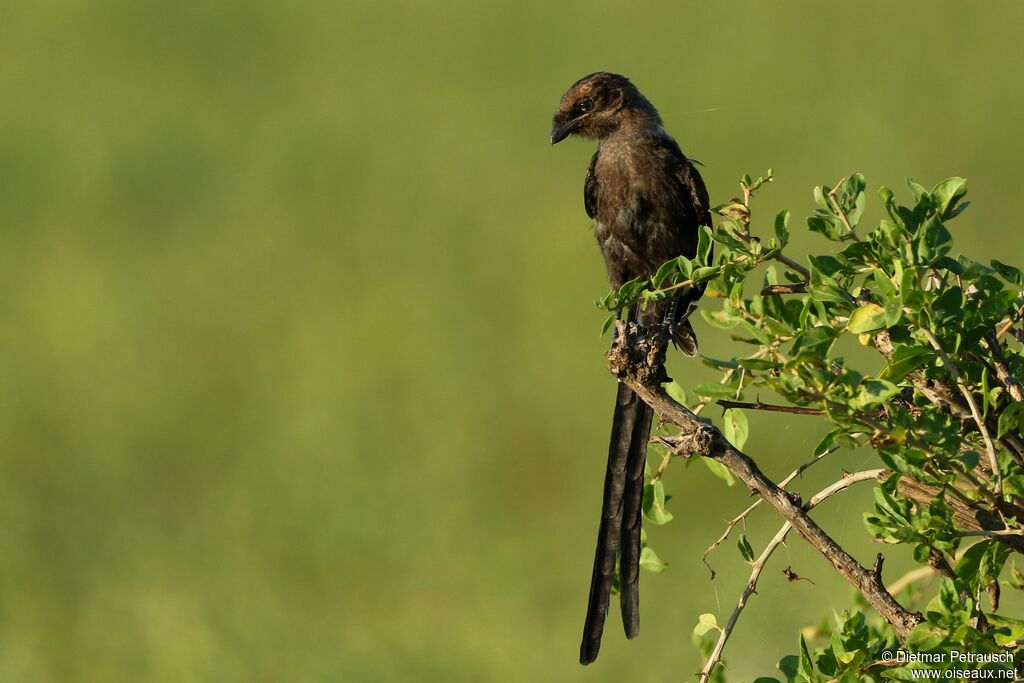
(648, 202)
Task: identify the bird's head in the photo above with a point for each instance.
(598, 105)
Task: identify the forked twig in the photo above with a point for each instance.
(759, 563)
(743, 515)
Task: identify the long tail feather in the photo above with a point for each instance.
(632, 518)
(630, 412)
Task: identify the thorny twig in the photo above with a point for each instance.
(757, 405)
(759, 563)
(743, 515)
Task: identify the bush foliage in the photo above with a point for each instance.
(938, 401)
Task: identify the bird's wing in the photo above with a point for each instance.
(693, 184)
(696, 207)
(693, 195)
(590, 188)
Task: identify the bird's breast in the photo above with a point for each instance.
(630, 192)
(637, 209)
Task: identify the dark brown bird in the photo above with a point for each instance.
(648, 202)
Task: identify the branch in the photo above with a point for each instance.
(1010, 323)
(910, 577)
(840, 212)
(759, 564)
(745, 236)
(757, 405)
(991, 533)
(743, 515)
(670, 443)
(964, 516)
(637, 359)
(1002, 370)
(973, 405)
(793, 265)
(799, 288)
(938, 563)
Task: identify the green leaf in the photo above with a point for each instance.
(717, 288)
(705, 240)
(905, 360)
(924, 638)
(854, 187)
(1009, 630)
(829, 266)
(667, 268)
(706, 622)
(715, 390)
(826, 443)
(806, 668)
(1008, 273)
(745, 550)
(817, 340)
(969, 564)
(609, 321)
(918, 190)
(789, 665)
(820, 199)
(720, 363)
(722, 318)
(949, 305)
(782, 227)
(719, 470)
(884, 285)
(946, 263)
(829, 293)
(705, 273)
(946, 194)
(893, 311)
(828, 226)
(993, 561)
(676, 392)
(756, 363)
(654, 503)
(736, 427)
(867, 318)
(1011, 419)
(969, 459)
(650, 561)
(873, 392)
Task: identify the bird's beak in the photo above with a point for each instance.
(560, 130)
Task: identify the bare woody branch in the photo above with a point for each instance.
(743, 515)
(798, 288)
(757, 405)
(762, 560)
(1010, 323)
(1002, 371)
(637, 358)
(965, 517)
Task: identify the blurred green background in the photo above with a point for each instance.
(300, 374)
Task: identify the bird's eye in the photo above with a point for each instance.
(583, 106)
